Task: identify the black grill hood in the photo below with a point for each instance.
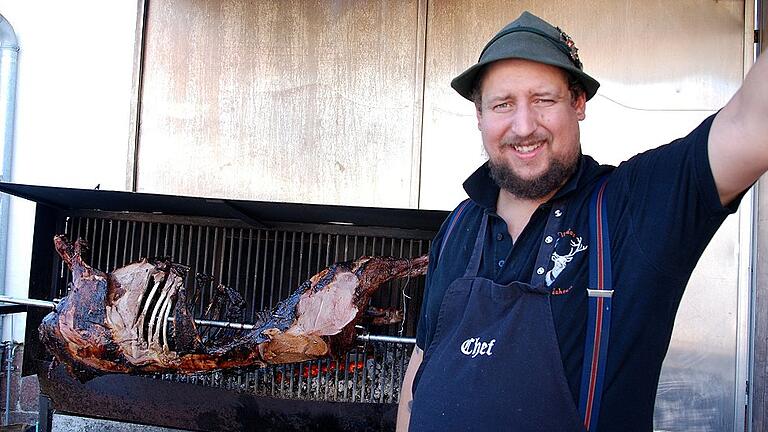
(256, 213)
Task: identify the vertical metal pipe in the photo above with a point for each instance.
(247, 275)
(346, 377)
(149, 253)
(309, 258)
(281, 285)
(257, 261)
(239, 256)
(292, 269)
(118, 242)
(202, 266)
(317, 378)
(273, 268)
(132, 244)
(300, 380)
(165, 239)
(141, 240)
(9, 53)
(327, 251)
(263, 263)
(173, 240)
(364, 374)
(336, 379)
(227, 244)
(10, 349)
(77, 229)
(93, 244)
(299, 277)
(157, 241)
(100, 245)
(289, 375)
(336, 248)
(318, 264)
(6, 353)
(222, 252)
(108, 243)
(356, 379)
(190, 237)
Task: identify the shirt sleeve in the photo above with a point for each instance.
(670, 199)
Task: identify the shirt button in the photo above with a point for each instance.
(501, 263)
(548, 240)
(558, 213)
(540, 270)
(499, 236)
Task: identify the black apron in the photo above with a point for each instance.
(494, 362)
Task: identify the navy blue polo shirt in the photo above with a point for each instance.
(663, 209)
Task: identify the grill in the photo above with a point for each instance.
(264, 251)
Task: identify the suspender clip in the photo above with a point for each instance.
(599, 293)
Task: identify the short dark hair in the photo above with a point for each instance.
(574, 86)
(476, 95)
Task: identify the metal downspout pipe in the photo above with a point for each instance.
(9, 349)
(9, 53)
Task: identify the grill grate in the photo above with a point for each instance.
(265, 265)
(372, 374)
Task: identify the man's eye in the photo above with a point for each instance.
(544, 101)
(501, 106)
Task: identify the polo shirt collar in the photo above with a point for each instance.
(481, 188)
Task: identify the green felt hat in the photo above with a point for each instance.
(528, 37)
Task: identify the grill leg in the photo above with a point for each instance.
(45, 414)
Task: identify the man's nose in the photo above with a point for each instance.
(524, 120)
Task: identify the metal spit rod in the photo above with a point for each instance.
(223, 324)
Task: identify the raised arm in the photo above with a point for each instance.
(404, 407)
(738, 140)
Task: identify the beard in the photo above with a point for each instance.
(538, 187)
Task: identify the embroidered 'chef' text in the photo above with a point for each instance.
(474, 347)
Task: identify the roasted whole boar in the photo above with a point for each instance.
(119, 322)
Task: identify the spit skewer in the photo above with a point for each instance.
(222, 324)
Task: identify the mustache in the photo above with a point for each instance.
(531, 139)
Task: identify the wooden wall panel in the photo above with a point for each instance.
(302, 101)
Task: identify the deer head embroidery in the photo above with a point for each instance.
(562, 260)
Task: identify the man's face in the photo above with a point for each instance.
(530, 126)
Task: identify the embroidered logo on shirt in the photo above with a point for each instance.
(474, 347)
(561, 258)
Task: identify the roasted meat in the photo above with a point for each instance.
(137, 319)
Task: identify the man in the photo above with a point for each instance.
(503, 333)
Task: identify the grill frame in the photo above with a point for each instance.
(62, 210)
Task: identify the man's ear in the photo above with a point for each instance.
(580, 105)
(479, 115)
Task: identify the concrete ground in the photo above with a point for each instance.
(65, 423)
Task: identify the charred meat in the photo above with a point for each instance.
(137, 319)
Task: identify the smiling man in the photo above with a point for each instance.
(552, 291)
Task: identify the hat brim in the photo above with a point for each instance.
(528, 46)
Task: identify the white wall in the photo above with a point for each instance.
(72, 111)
